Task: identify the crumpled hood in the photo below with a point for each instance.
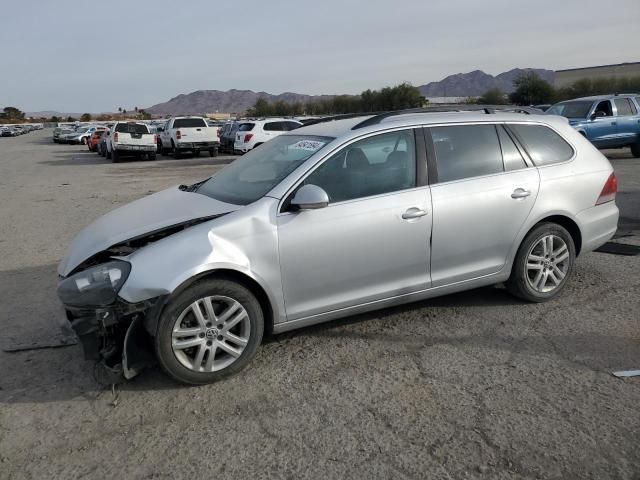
(160, 210)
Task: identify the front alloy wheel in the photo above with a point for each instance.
(209, 331)
(210, 334)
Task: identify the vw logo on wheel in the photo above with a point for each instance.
(211, 333)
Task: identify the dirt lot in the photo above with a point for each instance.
(473, 385)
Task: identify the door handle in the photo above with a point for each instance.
(413, 213)
(520, 193)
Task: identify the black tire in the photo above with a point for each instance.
(635, 150)
(115, 156)
(213, 152)
(108, 155)
(159, 147)
(519, 283)
(152, 156)
(171, 313)
(175, 151)
(196, 153)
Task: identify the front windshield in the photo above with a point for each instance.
(254, 174)
(573, 109)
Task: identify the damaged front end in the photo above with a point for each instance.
(112, 331)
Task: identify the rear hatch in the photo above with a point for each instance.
(133, 134)
(195, 130)
(243, 130)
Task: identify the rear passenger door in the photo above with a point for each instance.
(627, 119)
(482, 190)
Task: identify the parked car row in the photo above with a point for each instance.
(17, 130)
(608, 121)
(241, 136)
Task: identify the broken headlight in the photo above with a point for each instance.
(96, 286)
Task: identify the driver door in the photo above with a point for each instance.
(371, 242)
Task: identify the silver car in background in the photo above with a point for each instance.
(334, 219)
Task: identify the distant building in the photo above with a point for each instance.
(218, 116)
(565, 78)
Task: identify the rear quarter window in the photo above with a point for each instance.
(544, 146)
(246, 127)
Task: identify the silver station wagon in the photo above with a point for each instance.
(333, 219)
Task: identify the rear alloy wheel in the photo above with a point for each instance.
(543, 263)
(210, 331)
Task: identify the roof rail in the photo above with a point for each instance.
(488, 109)
(343, 116)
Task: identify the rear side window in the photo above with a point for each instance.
(288, 126)
(189, 123)
(246, 127)
(137, 128)
(623, 105)
(510, 154)
(273, 127)
(544, 146)
(465, 151)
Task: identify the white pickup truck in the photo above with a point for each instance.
(131, 138)
(181, 134)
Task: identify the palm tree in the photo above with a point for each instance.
(120, 109)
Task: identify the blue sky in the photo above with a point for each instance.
(77, 56)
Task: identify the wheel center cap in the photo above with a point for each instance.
(211, 333)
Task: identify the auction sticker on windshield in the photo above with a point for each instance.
(310, 145)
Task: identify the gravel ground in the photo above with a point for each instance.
(473, 385)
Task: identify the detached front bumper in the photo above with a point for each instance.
(118, 336)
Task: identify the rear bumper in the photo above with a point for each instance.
(197, 145)
(135, 148)
(598, 225)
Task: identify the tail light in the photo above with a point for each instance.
(608, 193)
(178, 135)
(248, 137)
(155, 139)
(115, 137)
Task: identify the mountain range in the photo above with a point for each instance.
(459, 85)
(470, 84)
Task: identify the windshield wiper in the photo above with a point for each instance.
(191, 188)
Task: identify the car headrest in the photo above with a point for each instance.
(356, 159)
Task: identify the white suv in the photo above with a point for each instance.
(252, 133)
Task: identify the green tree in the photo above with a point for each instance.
(493, 96)
(531, 90)
(86, 117)
(71, 119)
(13, 114)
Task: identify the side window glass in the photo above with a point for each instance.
(604, 108)
(273, 126)
(543, 145)
(634, 110)
(466, 151)
(623, 106)
(510, 154)
(373, 166)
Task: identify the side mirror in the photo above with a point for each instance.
(310, 197)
